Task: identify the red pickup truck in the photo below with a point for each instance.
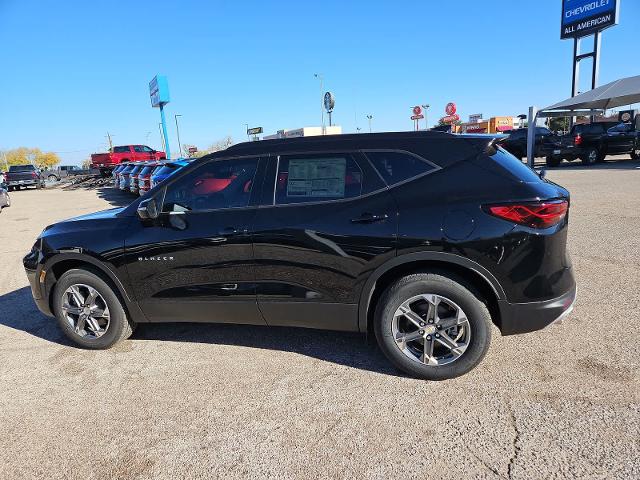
(106, 162)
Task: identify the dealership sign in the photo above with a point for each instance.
(585, 17)
(159, 91)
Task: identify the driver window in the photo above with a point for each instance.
(137, 148)
(214, 185)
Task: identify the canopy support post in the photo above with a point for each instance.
(531, 134)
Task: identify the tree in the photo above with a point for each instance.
(218, 145)
(86, 164)
(559, 124)
(34, 156)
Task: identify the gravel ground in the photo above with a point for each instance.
(206, 401)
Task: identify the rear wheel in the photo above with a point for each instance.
(432, 326)
(635, 153)
(89, 310)
(590, 157)
(52, 178)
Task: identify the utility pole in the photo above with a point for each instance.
(247, 131)
(6, 164)
(178, 133)
(110, 141)
(369, 117)
(320, 77)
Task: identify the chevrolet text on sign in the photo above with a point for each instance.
(585, 17)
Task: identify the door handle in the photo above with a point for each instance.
(370, 218)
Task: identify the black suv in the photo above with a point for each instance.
(422, 238)
(516, 141)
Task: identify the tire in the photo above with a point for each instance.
(451, 291)
(10, 189)
(52, 178)
(119, 327)
(553, 161)
(590, 157)
(635, 153)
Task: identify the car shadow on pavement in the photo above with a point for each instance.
(19, 312)
(606, 165)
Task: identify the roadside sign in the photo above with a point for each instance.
(159, 91)
(450, 109)
(475, 118)
(329, 102)
(451, 118)
(417, 110)
(585, 17)
(193, 149)
(417, 117)
(254, 130)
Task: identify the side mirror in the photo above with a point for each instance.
(148, 209)
(542, 173)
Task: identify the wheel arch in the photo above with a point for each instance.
(476, 275)
(62, 263)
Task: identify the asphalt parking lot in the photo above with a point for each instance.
(224, 401)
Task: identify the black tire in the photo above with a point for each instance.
(590, 157)
(10, 189)
(119, 328)
(447, 286)
(553, 161)
(52, 178)
(635, 153)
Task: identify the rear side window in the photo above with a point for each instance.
(317, 178)
(22, 168)
(514, 166)
(120, 149)
(396, 167)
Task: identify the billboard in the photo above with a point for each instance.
(586, 17)
(159, 91)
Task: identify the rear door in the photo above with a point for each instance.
(621, 138)
(325, 223)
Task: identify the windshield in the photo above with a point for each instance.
(21, 168)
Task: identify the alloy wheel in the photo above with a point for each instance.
(593, 156)
(431, 329)
(85, 311)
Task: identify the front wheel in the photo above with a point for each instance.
(89, 311)
(52, 178)
(432, 326)
(635, 153)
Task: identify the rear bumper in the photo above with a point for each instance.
(17, 183)
(528, 317)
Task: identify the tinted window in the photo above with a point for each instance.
(146, 149)
(317, 178)
(623, 127)
(396, 167)
(138, 148)
(120, 149)
(543, 131)
(146, 170)
(22, 168)
(135, 170)
(515, 166)
(214, 185)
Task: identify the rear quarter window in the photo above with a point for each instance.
(397, 167)
(514, 166)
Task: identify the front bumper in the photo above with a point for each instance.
(529, 317)
(36, 291)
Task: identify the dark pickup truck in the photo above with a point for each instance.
(20, 176)
(592, 142)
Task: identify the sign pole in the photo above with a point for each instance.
(164, 132)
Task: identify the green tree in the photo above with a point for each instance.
(559, 124)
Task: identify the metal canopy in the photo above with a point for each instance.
(615, 94)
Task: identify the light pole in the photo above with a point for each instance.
(178, 133)
(320, 77)
(147, 137)
(161, 135)
(246, 129)
(369, 117)
(426, 120)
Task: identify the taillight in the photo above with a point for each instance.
(34, 174)
(578, 139)
(535, 215)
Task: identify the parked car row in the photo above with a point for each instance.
(107, 162)
(140, 177)
(590, 143)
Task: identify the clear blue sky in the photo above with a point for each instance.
(73, 70)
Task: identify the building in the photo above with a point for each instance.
(492, 125)
(305, 132)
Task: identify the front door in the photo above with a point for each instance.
(329, 223)
(621, 138)
(195, 262)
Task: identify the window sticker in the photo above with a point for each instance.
(317, 177)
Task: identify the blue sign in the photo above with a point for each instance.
(586, 17)
(159, 91)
